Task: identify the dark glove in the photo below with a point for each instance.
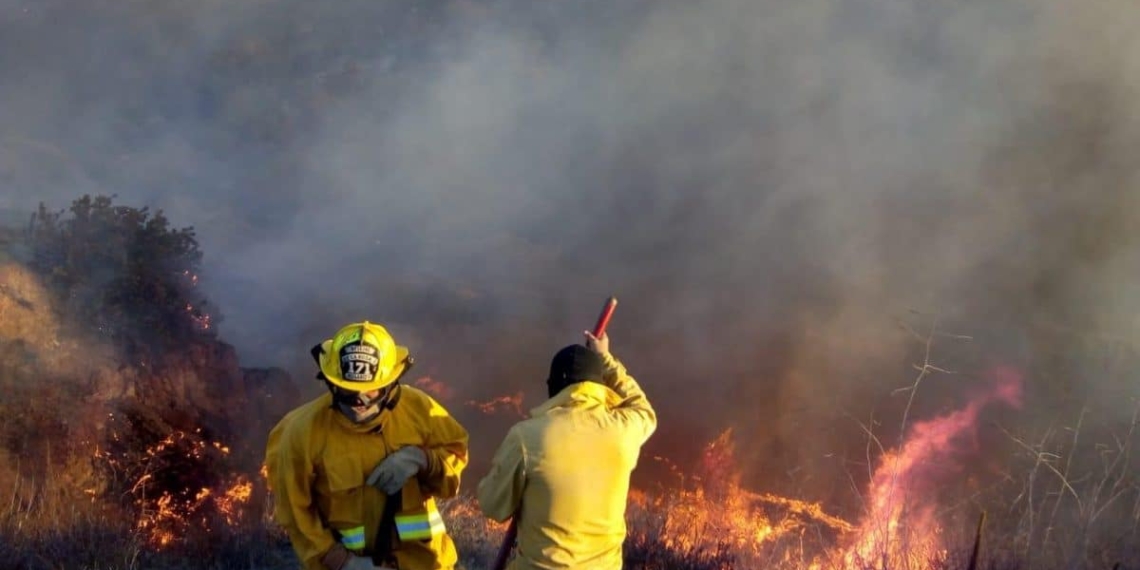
(392, 473)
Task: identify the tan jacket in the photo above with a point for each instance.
(566, 470)
(317, 462)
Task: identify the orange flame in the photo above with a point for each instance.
(165, 516)
(440, 390)
(231, 500)
(200, 319)
(716, 512)
(437, 389)
(494, 405)
(709, 510)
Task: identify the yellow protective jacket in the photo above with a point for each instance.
(317, 462)
(566, 471)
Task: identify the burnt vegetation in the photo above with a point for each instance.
(124, 416)
(124, 448)
(124, 272)
(130, 436)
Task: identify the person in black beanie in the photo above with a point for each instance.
(564, 472)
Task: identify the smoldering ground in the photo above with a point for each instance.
(770, 188)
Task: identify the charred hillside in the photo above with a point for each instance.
(116, 388)
(130, 426)
(841, 232)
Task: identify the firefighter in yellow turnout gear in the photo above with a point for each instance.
(335, 463)
(565, 471)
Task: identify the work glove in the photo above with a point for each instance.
(392, 473)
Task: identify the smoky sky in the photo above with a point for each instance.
(773, 190)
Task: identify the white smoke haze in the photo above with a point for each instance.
(767, 187)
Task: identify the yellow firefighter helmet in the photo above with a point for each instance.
(361, 357)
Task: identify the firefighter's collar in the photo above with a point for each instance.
(579, 394)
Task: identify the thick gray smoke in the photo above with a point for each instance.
(769, 188)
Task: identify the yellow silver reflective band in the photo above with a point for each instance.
(352, 538)
(420, 526)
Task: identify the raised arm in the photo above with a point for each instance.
(634, 408)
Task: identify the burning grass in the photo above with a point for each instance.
(710, 522)
(154, 496)
(151, 495)
(122, 463)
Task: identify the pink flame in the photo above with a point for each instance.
(900, 533)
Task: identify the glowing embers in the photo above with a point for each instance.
(200, 318)
(168, 506)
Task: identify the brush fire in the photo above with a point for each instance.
(175, 464)
(707, 510)
(168, 508)
(880, 260)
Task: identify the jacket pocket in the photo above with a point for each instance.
(345, 515)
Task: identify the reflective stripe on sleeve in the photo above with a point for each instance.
(352, 538)
(420, 526)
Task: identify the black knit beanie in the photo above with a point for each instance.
(574, 364)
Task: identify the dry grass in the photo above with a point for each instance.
(25, 308)
(85, 490)
(1076, 522)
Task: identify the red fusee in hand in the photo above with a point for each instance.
(604, 318)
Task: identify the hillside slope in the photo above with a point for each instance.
(112, 413)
